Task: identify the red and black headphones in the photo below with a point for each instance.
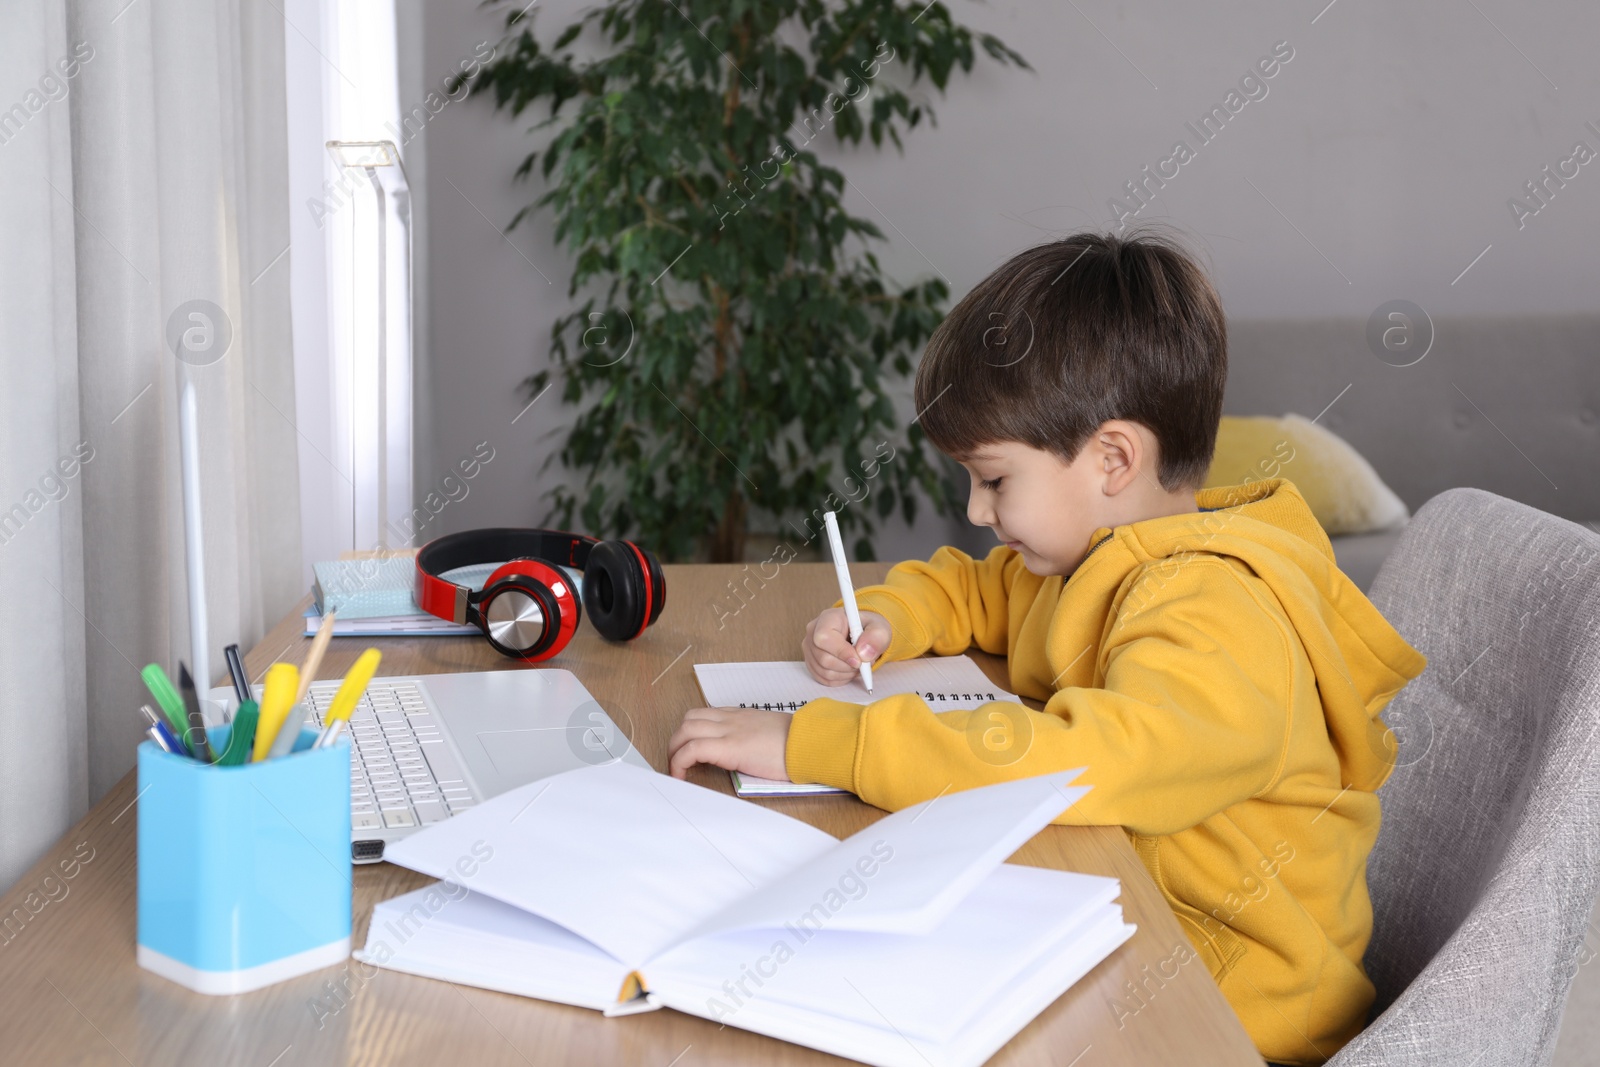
(526, 608)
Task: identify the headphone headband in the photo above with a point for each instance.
(528, 609)
(443, 598)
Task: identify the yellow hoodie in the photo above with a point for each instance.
(1222, 681)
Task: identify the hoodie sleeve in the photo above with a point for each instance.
(1193, 718)
(947, 604)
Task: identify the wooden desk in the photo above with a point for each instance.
(73, 993)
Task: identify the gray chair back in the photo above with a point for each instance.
(1485, 868)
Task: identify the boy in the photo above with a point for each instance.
(1198, 651)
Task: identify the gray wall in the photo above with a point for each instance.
(1377, 166)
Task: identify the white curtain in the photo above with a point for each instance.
(143, 168)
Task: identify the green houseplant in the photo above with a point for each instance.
(731, 352)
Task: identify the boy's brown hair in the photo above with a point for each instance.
(1067, 335)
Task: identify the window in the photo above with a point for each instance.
(351, 277)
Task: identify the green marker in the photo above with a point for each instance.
(242, 737)
(160, 686)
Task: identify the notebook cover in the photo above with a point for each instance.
(366, 588)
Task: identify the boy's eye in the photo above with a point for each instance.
(991, 486)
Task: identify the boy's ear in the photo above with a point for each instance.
(1123, 454)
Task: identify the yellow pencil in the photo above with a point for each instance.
(277, 697)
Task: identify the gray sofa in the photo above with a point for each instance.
(1507, 404)
(1360, 555)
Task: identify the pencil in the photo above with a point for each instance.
(319, 645)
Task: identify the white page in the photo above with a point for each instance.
(946, 683)
(928, 987)
(622, 856)
(906, 872)
(749, 785)
(1054, 969)
(447, 932)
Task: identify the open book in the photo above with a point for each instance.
(616, 888)
(946, 683)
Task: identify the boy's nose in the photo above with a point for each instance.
(977, 513)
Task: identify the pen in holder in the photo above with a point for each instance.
(244, 872)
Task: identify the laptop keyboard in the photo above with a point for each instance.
(402, 773)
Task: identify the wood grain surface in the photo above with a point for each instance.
(71, 993)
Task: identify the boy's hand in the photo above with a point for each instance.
(747, 740)
(829, 655)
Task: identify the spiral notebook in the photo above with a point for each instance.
(946, 683)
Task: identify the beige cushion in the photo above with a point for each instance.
(1341, 488)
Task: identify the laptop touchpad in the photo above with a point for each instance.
(523, 755)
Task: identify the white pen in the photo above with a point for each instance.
(847, 591)
(330, 733)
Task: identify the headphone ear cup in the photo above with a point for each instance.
(527, 610)
(614, 590)
(658, 587)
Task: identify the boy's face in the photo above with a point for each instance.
(1037, 503)
(1048, 509)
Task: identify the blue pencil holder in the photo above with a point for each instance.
(244, 872)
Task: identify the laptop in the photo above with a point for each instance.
(425, 747)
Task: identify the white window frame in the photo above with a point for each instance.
(353, 411)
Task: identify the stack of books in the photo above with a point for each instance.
(373, 598)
